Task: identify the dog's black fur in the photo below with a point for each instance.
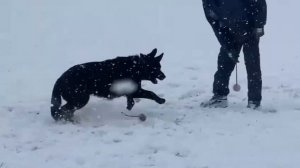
(95, 78)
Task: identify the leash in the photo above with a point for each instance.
(236, 86)
(236, 74)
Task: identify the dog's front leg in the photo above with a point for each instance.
(130, 102)
(141, 93)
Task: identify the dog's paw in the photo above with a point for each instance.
(161, 101)
(130, 106)
(130, 103)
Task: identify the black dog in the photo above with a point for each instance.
(97, 78)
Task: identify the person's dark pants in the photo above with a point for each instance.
(234, 42)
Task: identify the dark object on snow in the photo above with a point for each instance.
(98, 78)
(142, 116)
(237, 24)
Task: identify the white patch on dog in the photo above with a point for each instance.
(121, 87)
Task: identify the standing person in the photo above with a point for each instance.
(237, 24)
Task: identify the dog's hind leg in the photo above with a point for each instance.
(67, 110)
(148, 95)
(130, 102)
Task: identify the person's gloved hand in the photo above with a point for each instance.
(234, 57)
(258, 32)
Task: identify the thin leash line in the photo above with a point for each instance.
(236, 74)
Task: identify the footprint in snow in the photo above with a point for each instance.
(192, 68)
(194, 78)
(173, 85)
(191, 94)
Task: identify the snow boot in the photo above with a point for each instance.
(215, 102)
(254, 105)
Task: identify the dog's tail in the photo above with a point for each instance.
(56, 101)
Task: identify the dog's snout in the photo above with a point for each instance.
(161, 76)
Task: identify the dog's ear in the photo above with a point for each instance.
(153, 53)
(158, 58)
(142, 55)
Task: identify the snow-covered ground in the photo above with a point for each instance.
(40, 39)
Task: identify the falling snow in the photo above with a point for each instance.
(40, 39)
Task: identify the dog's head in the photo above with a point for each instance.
(151, 66)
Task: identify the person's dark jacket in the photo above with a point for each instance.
(244, 14)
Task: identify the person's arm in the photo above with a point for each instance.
(210, 9)
(259, 12)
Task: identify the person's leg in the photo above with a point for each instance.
(222, 76)
(252, 61)
(226, 65)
